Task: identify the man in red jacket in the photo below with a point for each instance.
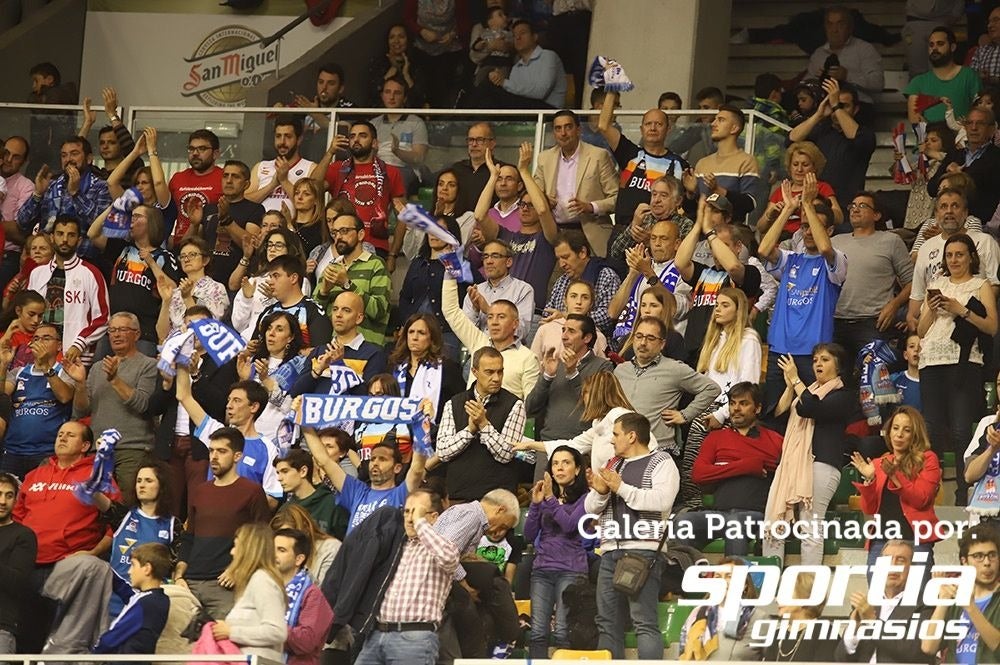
(737, 462)
(63, 525)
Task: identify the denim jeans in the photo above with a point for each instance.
(412, 647)
(547, 588)
(8, 644)
(698, 521)
(612, 606)
(826, 478)
(953, 400)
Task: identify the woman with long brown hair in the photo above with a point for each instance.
(901, 485)
(324, 546)
(257, 621)
(420, 366)
(656, 301)
(602, 401)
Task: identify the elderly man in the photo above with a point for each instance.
(639, 165)
(499, 285)
(472, 173)
(846, 58)
(116, 394)
(580, 182)
(980, 160)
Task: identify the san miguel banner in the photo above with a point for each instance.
(227, 62)
(209, 59)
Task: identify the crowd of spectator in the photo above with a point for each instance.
(650, 320)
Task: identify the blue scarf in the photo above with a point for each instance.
(876, 387)
(296, 592)
(220, 342)
(118, 223)
(668, 278)
(319, 411)
(104, 466)
(985, 499)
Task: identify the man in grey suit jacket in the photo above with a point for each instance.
(580, 181)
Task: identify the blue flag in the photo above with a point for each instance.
(220, 342)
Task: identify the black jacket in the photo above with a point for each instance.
(890, 650)
(361, 573)
(985, 172)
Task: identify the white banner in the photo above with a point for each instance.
(189, 60)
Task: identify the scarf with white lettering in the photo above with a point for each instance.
(118, 223)
(426, 381)
(319, 411)
(220, 342)
(296, 592)
(608, 74)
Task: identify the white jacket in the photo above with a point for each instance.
(84, 303)
(597, 440)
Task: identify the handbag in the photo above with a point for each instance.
(632, 570)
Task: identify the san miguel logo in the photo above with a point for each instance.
(226, 63)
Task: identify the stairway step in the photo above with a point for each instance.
(792, 51)
(799, 63)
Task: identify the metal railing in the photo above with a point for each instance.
(244, 131)
(182, 659)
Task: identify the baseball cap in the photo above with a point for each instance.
(720, 202)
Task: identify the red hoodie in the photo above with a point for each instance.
(61, 523)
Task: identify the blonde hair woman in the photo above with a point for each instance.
(308, 215)
(801, 159)
(730, 354)
(602, 401)
(257, 621)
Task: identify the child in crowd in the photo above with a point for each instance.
(907, 382)
(138, 627)
(498, 55)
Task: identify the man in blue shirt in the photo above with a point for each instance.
(247, 400)
(362, 499)
(537, 79)
(807, 296)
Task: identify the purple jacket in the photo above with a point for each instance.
(552, 528)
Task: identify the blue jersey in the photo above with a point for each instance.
(361, 500)
(807, 297)
(137, 528)
(909, 389)
(257, 461)
(38, 415)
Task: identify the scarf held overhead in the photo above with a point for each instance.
(319, 411)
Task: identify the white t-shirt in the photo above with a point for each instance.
(265, 172)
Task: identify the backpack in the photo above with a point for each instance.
(580, 599)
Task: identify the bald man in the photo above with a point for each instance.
(348, 362)
(639, 165)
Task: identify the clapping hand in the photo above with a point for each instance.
(863, 465)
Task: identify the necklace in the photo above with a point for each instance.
(783, 655)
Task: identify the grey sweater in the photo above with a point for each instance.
(107, 409)
(555, 402)
(660, 386)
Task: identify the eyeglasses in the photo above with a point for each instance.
(122, 331)
(979, 557)
(343, 232)
(189, 256)
(276, 245)
(860, 206)
(525, 205)
(199, 148)
(639, 337)
(496, 256)
(478, 140)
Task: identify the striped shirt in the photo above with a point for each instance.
(429, 564)
(370, 280)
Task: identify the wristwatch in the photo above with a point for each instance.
(652, 281)
(52, 371)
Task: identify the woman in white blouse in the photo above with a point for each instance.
(256, 624)
(730, 354)
(603, 402)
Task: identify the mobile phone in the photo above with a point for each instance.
(933, 293)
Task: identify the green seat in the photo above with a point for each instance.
(717, 546)
(519, 529)
(846, 518)
(830, 546)
(425, 197)
(764, 560)
(529, 428)
(707, 500)
(848, 476)
(948, 460)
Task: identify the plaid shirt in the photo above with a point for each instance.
(500, 444)
(987, 60)
(429, 563)
(605, 289)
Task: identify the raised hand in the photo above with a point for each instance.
(550, 363)
(524, 154)
(43, 179)
(110, 96)
(863, 465)
(490, 164)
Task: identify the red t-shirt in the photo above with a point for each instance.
(359, 184)
(794, 222)
(187, 184)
